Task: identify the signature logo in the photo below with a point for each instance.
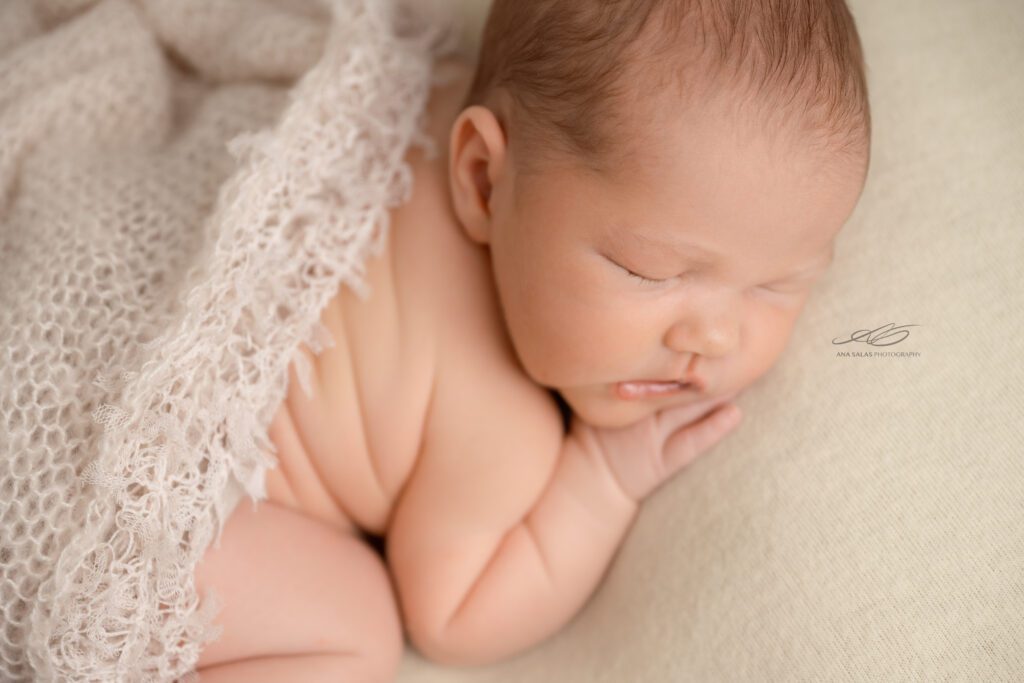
(876, 336)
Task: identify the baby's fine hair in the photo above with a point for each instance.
(564, 75)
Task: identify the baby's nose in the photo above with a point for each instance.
(711, 336)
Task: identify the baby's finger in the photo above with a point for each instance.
(683, 447)
(671, 419)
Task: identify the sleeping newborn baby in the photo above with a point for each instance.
(633, 204)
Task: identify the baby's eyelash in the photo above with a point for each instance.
(640, 277)
(647, 280)
(785, 287)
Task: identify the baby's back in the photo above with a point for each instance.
(346, 452)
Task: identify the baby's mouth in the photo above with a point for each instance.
(638, 389)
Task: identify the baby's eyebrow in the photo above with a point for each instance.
(701, 256)
(695, 253)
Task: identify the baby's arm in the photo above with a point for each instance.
(507, 526)
(498, 542)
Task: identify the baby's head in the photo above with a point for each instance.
(660, 184)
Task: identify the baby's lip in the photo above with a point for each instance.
(694, 380)
(633, 389)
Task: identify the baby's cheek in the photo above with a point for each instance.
(764, 349)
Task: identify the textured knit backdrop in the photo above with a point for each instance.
(184, 184)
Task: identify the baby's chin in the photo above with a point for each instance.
(598, 407)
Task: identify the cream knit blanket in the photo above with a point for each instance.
(184, 185)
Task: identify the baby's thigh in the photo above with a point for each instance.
(292, 585)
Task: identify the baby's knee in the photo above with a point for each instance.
(293, 586)
(358, 613)
(314, 668)
(381, 642)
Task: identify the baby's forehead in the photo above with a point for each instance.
(670, 213)
(713, 159)
(647, 121)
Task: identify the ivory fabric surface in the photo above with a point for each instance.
(864, 522)
(184, 185)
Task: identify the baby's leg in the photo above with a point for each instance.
(302, 601)
(300, 669)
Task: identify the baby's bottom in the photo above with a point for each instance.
(302, 601)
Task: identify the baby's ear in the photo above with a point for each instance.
(476, 156)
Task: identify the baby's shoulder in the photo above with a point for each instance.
(485, 412)
(476, 368)
(480, 396)
(491, 438)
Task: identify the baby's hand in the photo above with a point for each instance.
(644, 455)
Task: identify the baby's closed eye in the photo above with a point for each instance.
(787, 286)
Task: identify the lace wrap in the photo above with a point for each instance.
(184, 185)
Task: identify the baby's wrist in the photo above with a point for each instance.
(593, 477)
